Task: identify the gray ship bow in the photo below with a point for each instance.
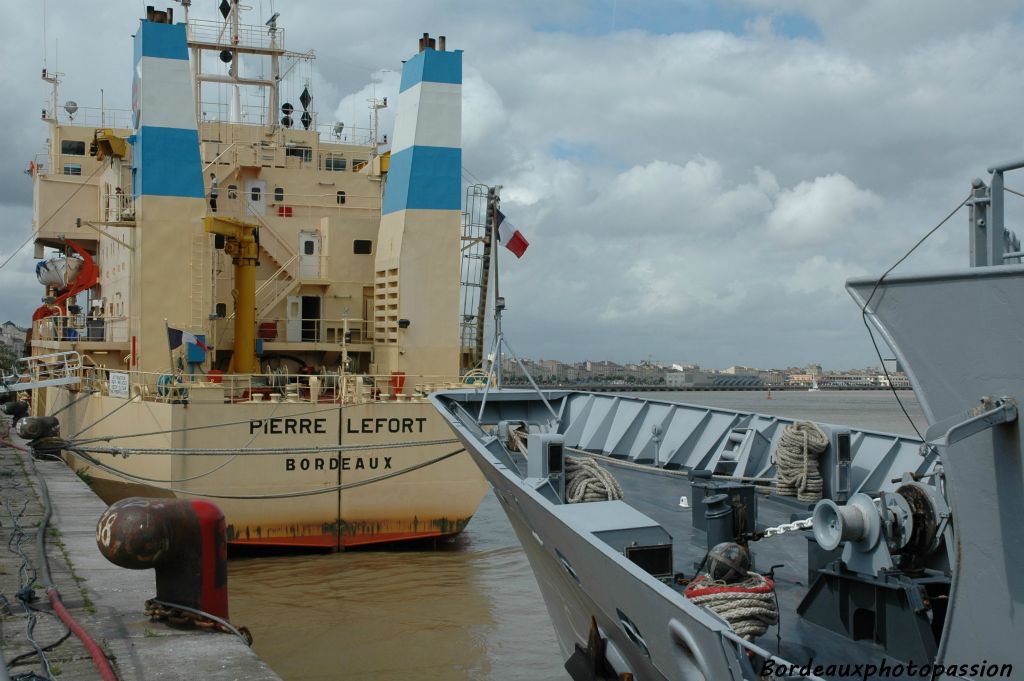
(675, 541)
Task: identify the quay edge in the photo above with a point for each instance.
(105, 599)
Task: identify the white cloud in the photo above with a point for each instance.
(823, 209)
(688, 195)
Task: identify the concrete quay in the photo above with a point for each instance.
(106, 600)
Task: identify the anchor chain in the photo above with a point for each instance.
(785, 528)
(182, 618)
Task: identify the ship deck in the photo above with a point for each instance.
(656, 494)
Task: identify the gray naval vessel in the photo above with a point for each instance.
(674, 541)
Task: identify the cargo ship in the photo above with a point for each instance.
(246, 303)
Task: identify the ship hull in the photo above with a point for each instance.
(583, 580)
(386, 484)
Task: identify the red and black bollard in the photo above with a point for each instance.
(184, 541)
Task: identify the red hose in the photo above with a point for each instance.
(97, 654)
(7, 443)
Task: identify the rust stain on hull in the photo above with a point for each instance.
(347, 534)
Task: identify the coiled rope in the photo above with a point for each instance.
(796, 456)
(586, 481)
(748, 606)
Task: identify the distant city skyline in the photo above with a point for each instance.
(603, 372)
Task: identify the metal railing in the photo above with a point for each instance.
(249, 35)
(117, 207)
(216, 128)
(217, 387)
(95, 117)
(39, 371)
(81, 328)
(236, 203)
(298, 330)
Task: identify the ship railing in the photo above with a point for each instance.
(354, 135)
(213, 32)
(299, 330)
(234, 201)
(220, 112)
(211, 386)
(274, 288)
(40, 164)
(95, 117)
(78, 328)
(40, 371)
(216, 128)
(117, 207)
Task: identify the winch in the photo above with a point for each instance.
(892, 579)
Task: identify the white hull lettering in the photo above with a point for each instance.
(386, 425)
(288, 426)
(345, 463)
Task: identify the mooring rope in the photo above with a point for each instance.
(796, 457)
(586, 481)
(748, 606)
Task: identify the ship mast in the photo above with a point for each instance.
(208, 36)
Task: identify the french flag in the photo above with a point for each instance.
(511, 237)
(175, 337)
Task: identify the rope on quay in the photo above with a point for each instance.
(99, 658)
(796, 456)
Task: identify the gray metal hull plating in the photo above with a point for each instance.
(682, 641)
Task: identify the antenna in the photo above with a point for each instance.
(377, 105)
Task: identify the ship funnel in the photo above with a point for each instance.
(158, 17)
(426, 41)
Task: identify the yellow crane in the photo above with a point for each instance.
(240, 243)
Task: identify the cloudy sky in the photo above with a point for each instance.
(697, 179)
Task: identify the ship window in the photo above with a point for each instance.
(72, 168)
(222, 310)
(341, 198)
(279, 193)
(308, 247)
(357, 164)
(254, 194)
(305, 153)
(362, 247)
(72, 147)
(332, 162)
(232, 191)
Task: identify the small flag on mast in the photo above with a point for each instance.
(510, 237)
(175, 337)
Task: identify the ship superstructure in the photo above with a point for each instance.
(243, 293)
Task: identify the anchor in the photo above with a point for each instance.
(590, 663)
